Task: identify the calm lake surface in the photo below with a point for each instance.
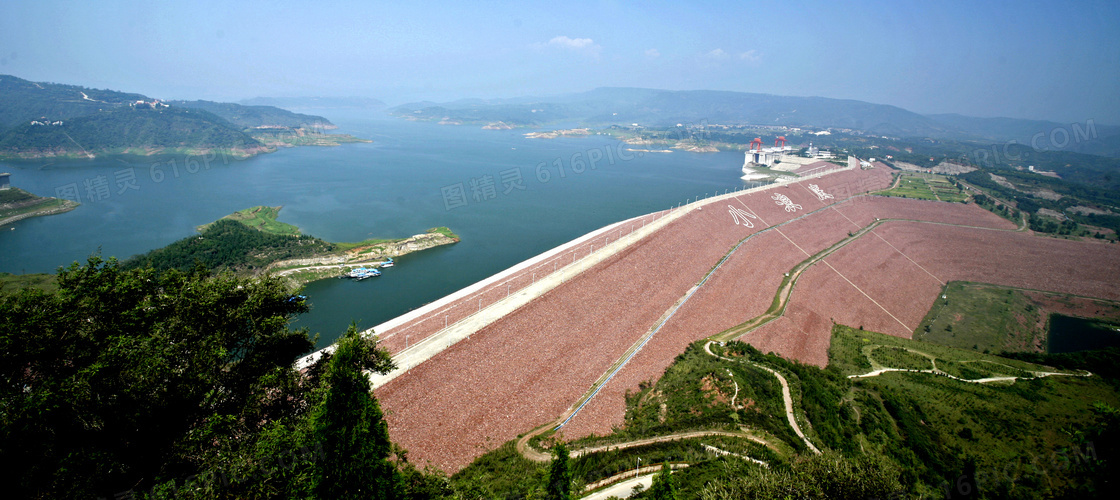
(1070, 334)
(402, 184)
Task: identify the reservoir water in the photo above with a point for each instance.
(1072, 334)
(508, 197)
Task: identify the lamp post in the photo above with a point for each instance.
(636, 467)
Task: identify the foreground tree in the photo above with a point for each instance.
(146, 384)
(663, 487)
(121, 377)
(559, 475)
(351, 427)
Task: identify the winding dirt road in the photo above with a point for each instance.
(787, 399)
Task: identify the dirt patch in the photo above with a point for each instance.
(948, 168)
(710, 388)
(1051, 213)
(1002, 181)
(1046, 194)
(1083, 210)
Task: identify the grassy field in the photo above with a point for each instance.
(14, 195)
(263, 219)
(46, 204)
(444, 231)
(10, 283)
(998, 426)
(926, 187)
(984, 318)
(854, 352)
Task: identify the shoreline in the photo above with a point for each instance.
(270, 142)
(67, 205)
(444, 338)
(448, 299)
(328, 266)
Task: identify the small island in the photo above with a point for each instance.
(17, 204)
(252, 242)
(656, 143)
(499, 125)
(571, 132)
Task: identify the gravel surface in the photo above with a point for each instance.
(531, 365)
(865, 211)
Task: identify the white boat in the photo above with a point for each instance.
(362, 273)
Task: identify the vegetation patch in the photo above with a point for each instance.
(16, 204)
(11, 283)
(993, 318)
(927, 187)
(228, 244)
(252, 241)
(260, 218)
(984, 318)
(444, 231)
(897, 357)
(938, 428)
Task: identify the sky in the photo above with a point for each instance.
(1049, 60)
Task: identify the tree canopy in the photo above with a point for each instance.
(164, 384)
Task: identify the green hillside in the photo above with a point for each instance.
(114, 131)
(40, 120)
(230, 244)
(894, 418)
(260, 218)
(22, 101)
(256, 116)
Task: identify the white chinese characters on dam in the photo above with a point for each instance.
(782, 199)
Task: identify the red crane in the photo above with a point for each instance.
(756, 141)
(781, 139)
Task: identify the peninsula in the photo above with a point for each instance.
(252, 242)
(17, 204)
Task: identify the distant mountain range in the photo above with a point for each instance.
(40, 120)
(48, 119)
(655, 108)
(316, 102)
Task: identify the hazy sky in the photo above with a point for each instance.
(1047, 60)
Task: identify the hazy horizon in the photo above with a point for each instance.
(1017, 60)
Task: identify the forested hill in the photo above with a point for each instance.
(257, 116)
(124, 129)
(22, 101)
(228, 244)
(53, 120)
